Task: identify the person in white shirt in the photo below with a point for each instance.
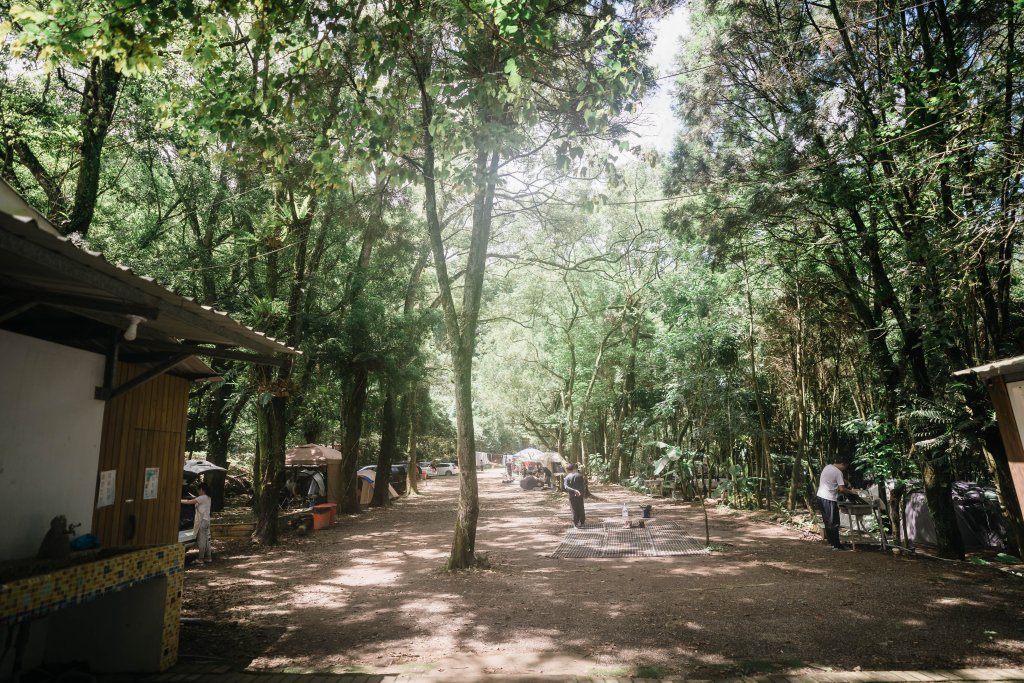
(202, 523)
(830, 485)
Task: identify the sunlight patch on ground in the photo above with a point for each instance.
(320, 595)
(367, 575)
(956, 602)
(689, 570)
(791, 568)
(269, 611)
(1007, 646)
(252, 581)
(401, 556)
(247, 613)
(426, 554)
(433, 605)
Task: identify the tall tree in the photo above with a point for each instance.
(871, 155)
(484, 78)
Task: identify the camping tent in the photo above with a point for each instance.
(366, 484)
(312, 455)
(977, 515)
(197, 467)
(553, 461)
(532, 456)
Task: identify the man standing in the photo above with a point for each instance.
(575, 485)
(830, 485)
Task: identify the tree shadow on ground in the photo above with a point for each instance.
(369, 595)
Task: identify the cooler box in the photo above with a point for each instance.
(321, 517)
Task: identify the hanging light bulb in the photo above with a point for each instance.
(133, 327)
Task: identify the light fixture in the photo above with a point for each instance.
(133, 326)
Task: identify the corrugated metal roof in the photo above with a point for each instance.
(35, 258)
(995, 368)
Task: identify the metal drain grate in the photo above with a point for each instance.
(657, 539)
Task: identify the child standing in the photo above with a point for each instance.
(202, 523)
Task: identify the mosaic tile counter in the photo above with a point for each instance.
(139, 590)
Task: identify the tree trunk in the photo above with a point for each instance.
(801, 406)
(464, 542)
(615, 457)
(352, 405)
(620, 463)
(97, 111)
(937, 490)
(461, 326)
(388, 448)
(357, 375)
(579, 450)
(218, 434)
(268, 466)
(274, 389)
(412, 417)
(765, 461)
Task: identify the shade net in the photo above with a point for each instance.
(609, 538)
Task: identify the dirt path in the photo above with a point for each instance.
(368, 595)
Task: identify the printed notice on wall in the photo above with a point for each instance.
(105, 495)
(152, 483)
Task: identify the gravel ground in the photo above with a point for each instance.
(370, 595)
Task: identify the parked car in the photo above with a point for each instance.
(446, 469)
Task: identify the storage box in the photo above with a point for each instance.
(321, 517)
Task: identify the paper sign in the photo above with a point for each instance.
(105, 495)
(152, 483)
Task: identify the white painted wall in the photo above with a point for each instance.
(50, 427)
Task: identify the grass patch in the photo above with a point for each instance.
(609, 671)
(341, 670)
(646, 671)
(234, 516)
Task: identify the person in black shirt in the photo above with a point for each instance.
(575, 486)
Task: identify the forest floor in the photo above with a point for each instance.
(369, 595)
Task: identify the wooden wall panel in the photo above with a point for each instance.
(143, 428)
(1010, 431)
